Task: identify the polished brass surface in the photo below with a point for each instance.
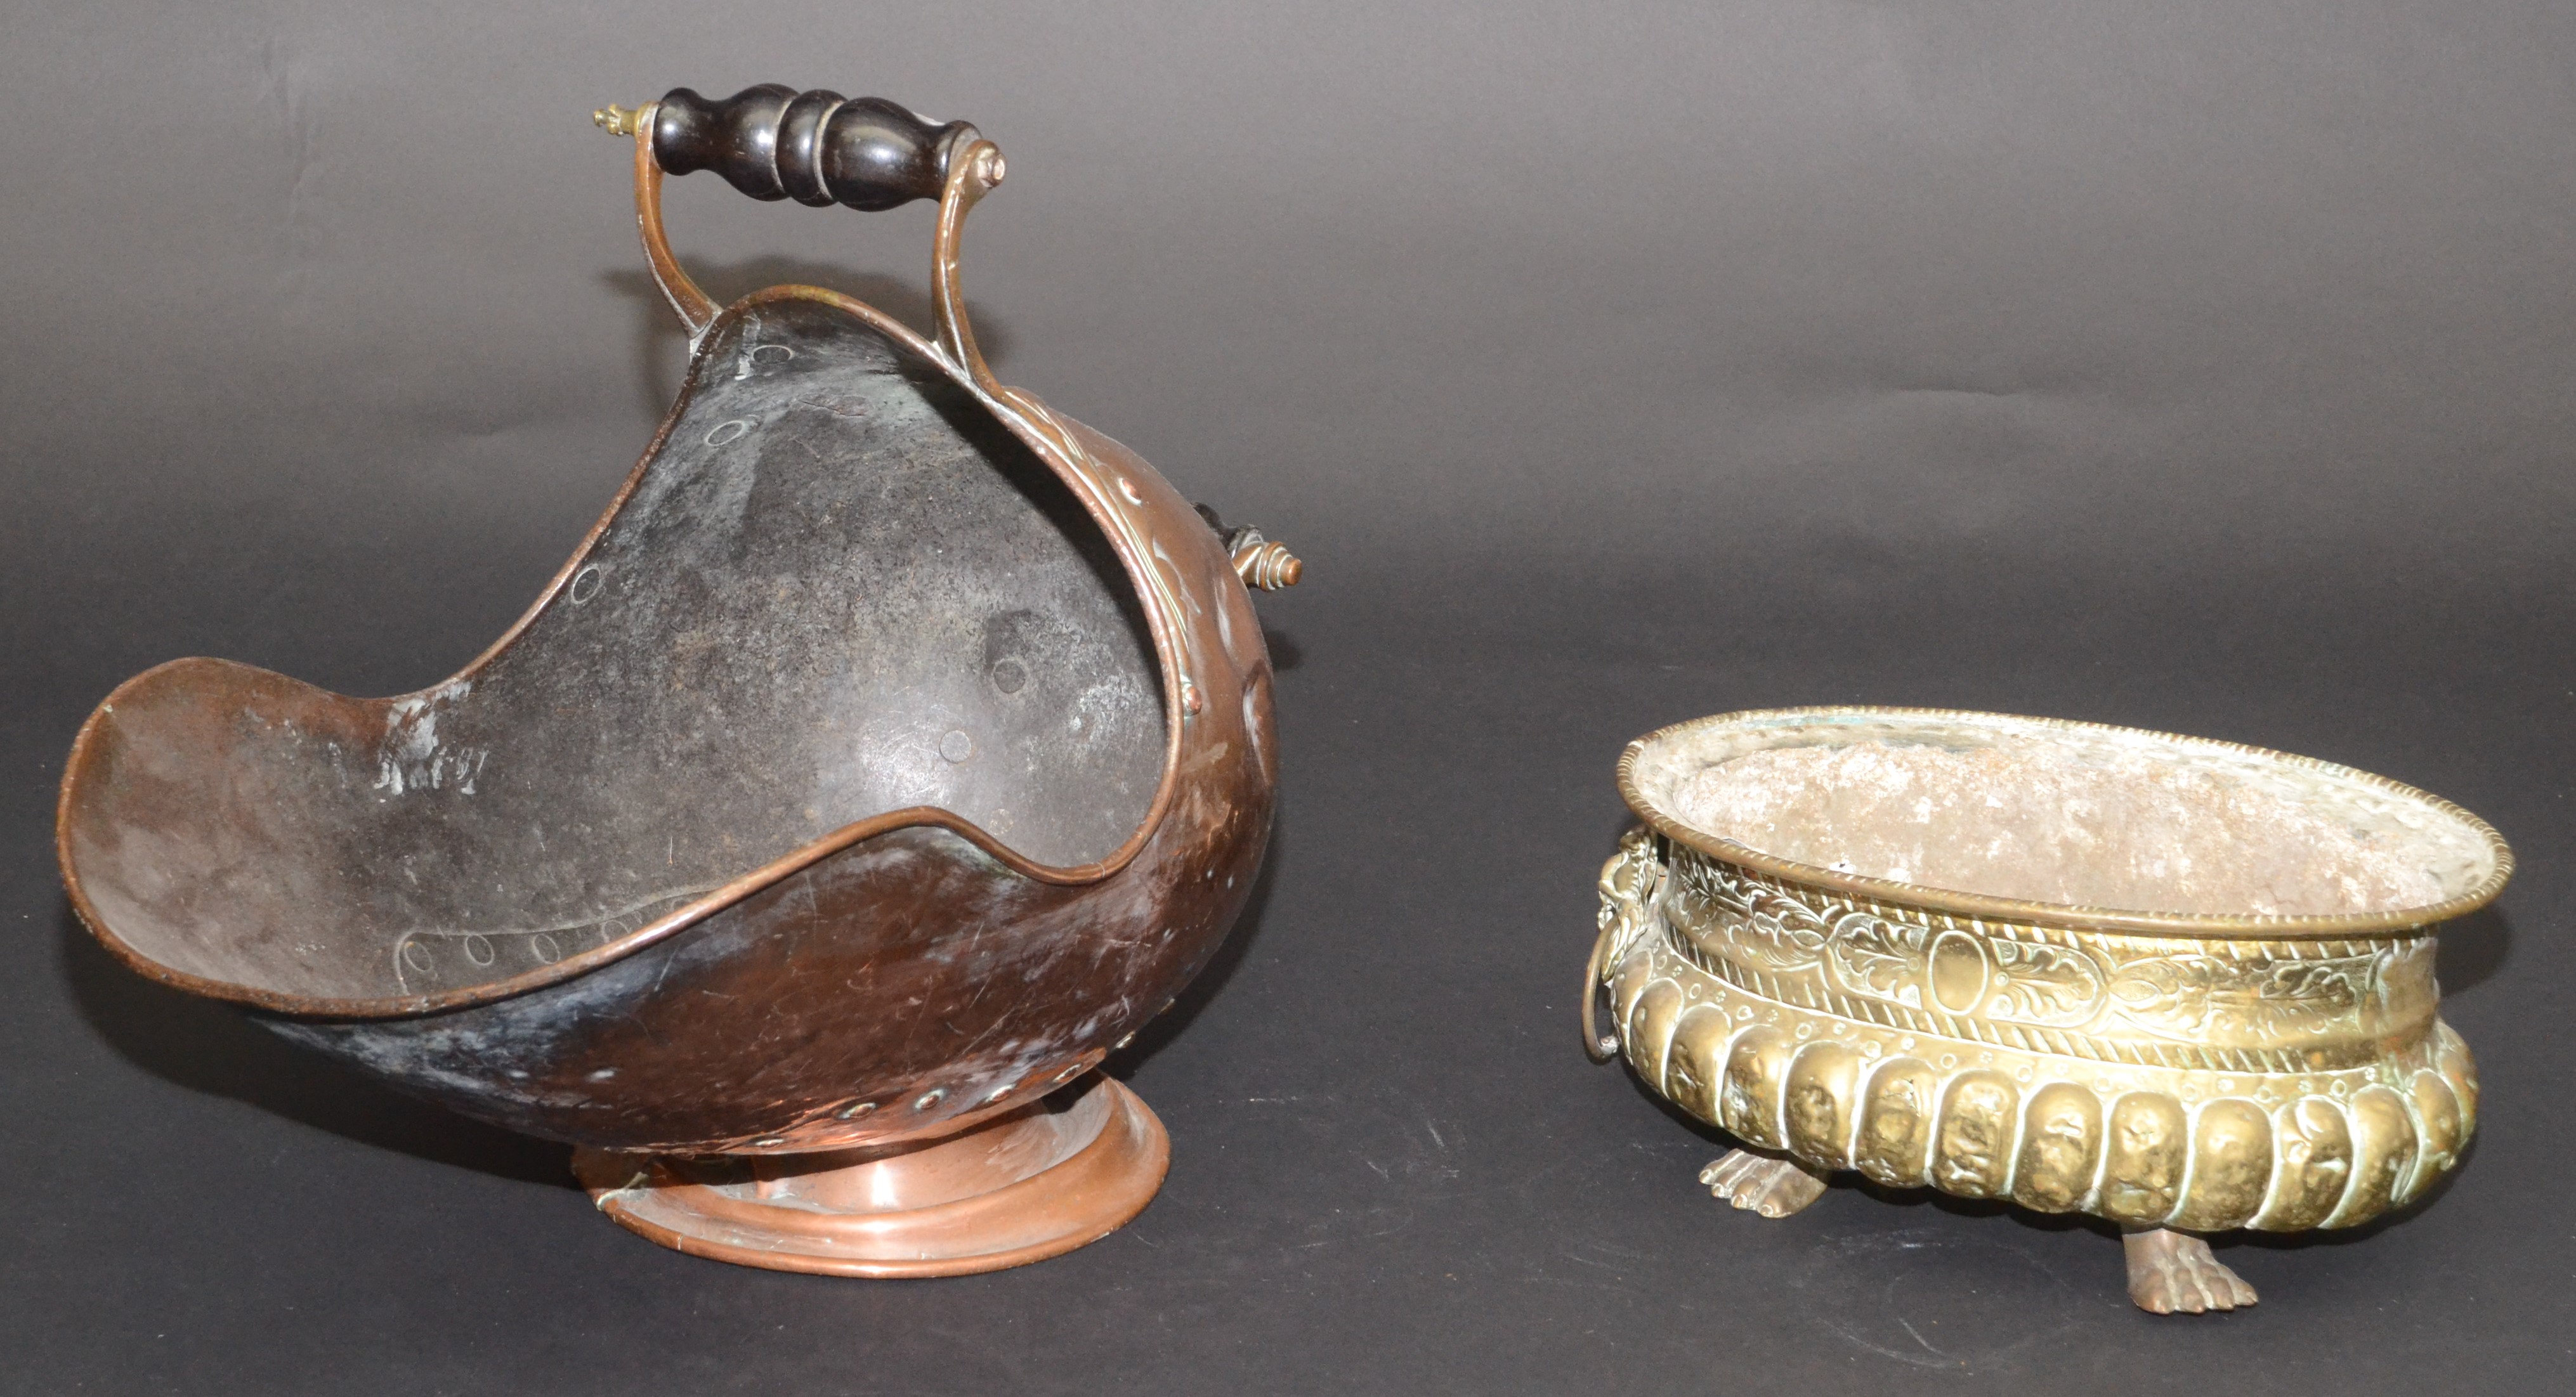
(2268, 1072)
(620, 121)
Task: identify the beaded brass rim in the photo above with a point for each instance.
(2207, 926)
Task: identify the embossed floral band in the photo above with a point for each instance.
(2183, 985)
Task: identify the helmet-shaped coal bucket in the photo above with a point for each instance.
(888, 753)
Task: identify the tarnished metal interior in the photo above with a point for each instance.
(2069, 814)
(837, 588)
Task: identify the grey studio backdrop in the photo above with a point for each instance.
(2203, 366)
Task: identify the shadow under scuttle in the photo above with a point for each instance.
(214, 1048)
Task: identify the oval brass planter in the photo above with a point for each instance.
(2193, 1071)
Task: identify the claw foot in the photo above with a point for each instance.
(2170, 1271)
(1775, 1188)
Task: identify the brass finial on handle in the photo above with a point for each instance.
(620, 121)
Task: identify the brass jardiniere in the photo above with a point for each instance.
(2173, 1073)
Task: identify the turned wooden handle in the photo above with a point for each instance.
(818, 148)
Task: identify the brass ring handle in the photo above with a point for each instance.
(1599, 1046)
(1629, 884)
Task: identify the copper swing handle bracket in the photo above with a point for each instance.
(817, 148)
(820, 148)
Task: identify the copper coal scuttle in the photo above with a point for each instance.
(891, 750)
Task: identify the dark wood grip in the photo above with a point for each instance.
(818, 148)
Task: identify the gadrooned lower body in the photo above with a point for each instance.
(1827, 1032)
(1829, 1036)
(1034, 1183)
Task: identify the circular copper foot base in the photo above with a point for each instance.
(1025, 1186)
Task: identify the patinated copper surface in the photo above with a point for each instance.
(890, 750)
(2176, 1072)
(1038, 1181)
